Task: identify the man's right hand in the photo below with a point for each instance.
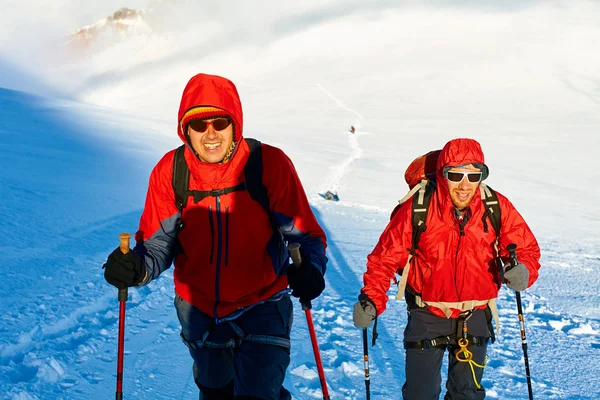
(364, 312)
(124, 270)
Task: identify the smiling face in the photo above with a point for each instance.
(211, 145)
(463, 192)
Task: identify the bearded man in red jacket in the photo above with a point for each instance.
(231, 263)
(453, 276)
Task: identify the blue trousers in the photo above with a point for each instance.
(423, 366)
(226, 366)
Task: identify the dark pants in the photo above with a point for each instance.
(243, 369)
(423, 366)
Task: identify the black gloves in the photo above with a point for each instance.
(124, 270)
(306, 281)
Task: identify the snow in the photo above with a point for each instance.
(79, 136)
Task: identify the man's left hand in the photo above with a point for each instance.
(517, 278)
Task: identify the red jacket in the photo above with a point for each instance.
(223, 249)
(449, 267)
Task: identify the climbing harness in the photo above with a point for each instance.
(462, 354)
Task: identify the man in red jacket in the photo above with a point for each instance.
(231, 263)
(452, 277)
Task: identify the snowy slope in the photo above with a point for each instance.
(74, 167)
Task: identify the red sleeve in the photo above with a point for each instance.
(160, 198)
(157, 234)
(388, 257)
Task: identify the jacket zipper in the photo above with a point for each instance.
(461, 226)
(212, 234)
(226, 235)
(219, 248)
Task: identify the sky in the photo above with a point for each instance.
(82, 127)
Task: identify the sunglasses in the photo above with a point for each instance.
(457, 177)
(201, 125)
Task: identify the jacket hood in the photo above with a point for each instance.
(205, 90)
(458, 152)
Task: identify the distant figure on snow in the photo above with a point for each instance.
(231, 263)
(352, 130)
(329, 195)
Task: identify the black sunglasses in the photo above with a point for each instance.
(201, 125)
(457, 177)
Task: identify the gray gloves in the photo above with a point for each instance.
(517, 278)
(364, 312)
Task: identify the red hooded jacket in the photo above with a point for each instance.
(224, 250)
(449, 267)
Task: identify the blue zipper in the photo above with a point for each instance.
(226, 235)
(212, 233)
(219, 246)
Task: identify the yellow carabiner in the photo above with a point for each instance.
(466, 354)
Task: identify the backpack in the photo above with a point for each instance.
(252, 172)
(420, 176)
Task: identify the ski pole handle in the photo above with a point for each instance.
(124, 246)
(294, 249)
(362, 298)
(125, 239)
(512, 250)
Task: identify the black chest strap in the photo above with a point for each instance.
(252, 173)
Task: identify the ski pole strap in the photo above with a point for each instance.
(375, 334)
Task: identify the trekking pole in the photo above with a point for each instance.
(294, 249)
(512, 250)
(124, 246)
(362, 297)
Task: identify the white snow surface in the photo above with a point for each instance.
(80, 133)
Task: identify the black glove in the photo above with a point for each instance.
(306, 281)
(124, 270)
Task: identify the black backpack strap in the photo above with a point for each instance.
(253, 172)
(492, 209)
(420, 208)
(181, 178)
(201, 194)
(181, 181)
(492, 212)
(421, 199)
